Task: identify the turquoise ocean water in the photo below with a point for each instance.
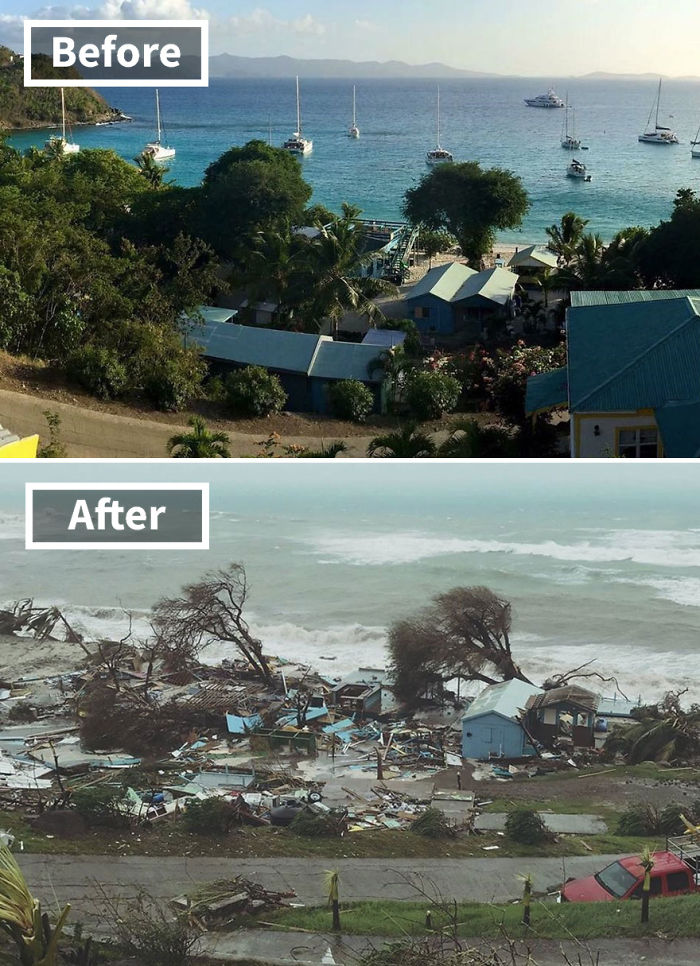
(482, 120)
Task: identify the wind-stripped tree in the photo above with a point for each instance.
(212, 611)
(464, 633)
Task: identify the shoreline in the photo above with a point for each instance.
(111, 117)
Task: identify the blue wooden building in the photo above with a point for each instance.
(455, 298)
(491, 727)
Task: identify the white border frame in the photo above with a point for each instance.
(31, 544)
(202, 81)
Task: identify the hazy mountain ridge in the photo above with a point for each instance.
(232, 65)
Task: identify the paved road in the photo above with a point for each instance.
(72, 878)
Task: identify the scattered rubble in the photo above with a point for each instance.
(217, 904)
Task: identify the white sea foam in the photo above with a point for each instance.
(652, 548)
(11, 526)
(679, 590)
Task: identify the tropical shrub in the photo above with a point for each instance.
(171, 382)
(527, 827)
(253, 391)
(433, 825)
(351, 399)
(211, 816)
(431, 394)
(99, 805)
(99, 370)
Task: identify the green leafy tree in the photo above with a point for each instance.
(435, 243)
(253, 391)
(432, 394)
(670, 256)
(407, 443)
(152, 171)
(351, 399)
(201, 443)
(585, 270)
(526, 827)
(469, 202)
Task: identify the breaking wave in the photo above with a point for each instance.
(647, 547)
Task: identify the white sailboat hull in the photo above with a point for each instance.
(696, 152)
(65, 147)
(298, 146)
(442, 157)
(652, 137)
(158, 152)
(354, 132)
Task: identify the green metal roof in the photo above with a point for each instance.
(251, 346)
(212, 313)
(533, 256)
(494, 285)
(581, 299)
(347, 360)
(547, 390)
(507, 699)
(443, 282)
(679, 425)
(634, 355)
(317, 356)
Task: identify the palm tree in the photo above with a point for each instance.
(325, 452)
(565, 238)
(272, 267)
(21, 917)
(200, 443)
(151, 170)
(469, 440)
(585, 268)
(406, 443)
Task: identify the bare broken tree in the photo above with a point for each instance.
(207, 612)
(464, 633)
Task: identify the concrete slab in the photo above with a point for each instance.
(559, 824)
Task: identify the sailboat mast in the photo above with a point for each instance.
(157, 116)
(298, 108)
(63, 116)
(354, 113)
(438, 117)
(658, 104)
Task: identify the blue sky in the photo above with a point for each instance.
(545, 38)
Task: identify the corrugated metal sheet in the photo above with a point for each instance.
(347, 360)
(547, 390)
(506, 699)
(581, 299)
(443, 282)
(494, 285)
(679, 425)
(251, 346)
(533, 257)
(629, 356)
(386, 338)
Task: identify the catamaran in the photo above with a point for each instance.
(569, 141)
(578, 170)
(61, 145)
(297, 143)
(354, 131)
(155, 149)
(548, 100)
(438, 155)
(658, 134)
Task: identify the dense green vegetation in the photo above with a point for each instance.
(26, 107)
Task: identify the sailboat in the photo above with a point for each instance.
(569, 141)
(695, 149)
(658, 134)
(62, 145)
(155, 149)
(297, 143)
(354, 131)
(438, 155)
(578, 170)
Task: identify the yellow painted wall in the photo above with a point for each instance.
(21, 449)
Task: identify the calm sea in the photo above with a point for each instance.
(482, 120)
(601, 564)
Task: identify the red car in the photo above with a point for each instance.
(624, 879)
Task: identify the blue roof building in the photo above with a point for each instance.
(491, 726)
(632, 380)
(306, 364)
(455, 298)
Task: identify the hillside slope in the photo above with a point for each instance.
(30, 107)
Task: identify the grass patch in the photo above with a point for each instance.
(676, 917)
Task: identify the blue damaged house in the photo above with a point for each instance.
(491, 726)
(454, 298)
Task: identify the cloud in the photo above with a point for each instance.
(262, 21)
(366, 25)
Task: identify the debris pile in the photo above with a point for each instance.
(218, 905)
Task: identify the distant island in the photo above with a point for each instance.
(231, 65)
(24, 108)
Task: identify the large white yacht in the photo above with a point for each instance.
(297, 143)
(548, 100)
(438, 155)
(658, 134)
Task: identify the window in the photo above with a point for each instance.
(422, 313)
(616, 879)
(677, 882)
(638, 443)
